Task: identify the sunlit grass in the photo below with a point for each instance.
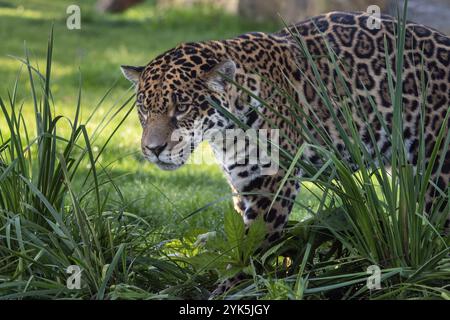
(22, 12)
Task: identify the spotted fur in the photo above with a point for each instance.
(173, 91)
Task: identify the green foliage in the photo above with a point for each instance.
(230, 253)
(54, 214)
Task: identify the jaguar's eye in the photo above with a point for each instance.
(182, 108)
(140, 98)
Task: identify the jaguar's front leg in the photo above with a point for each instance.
(254, 198)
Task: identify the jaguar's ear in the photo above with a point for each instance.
(217, 78)
(132, 73)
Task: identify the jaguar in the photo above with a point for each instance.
(192, 85)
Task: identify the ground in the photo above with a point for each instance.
(96, 51)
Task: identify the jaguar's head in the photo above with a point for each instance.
(174, 94)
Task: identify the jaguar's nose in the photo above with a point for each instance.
(156, 149)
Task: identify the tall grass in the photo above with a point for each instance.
(59, 206)
(375, 216)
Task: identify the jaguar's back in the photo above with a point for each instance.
(361, 48)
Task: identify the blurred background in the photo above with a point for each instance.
(116, 32)
(434, 13)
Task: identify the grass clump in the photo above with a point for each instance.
(60, 206)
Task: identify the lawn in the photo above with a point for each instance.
(94, 54)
